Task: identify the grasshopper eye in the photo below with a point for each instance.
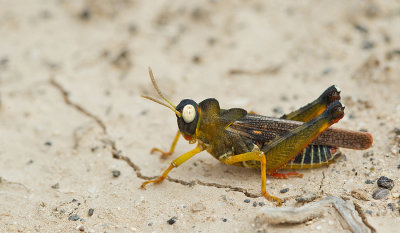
(188, 113)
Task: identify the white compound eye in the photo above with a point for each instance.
(188, 113)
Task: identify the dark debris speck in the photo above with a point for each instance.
(368, 212)
(116, 173)
(172, 220)
(369, 181)
(48, 143)
(285, 190)
(361, 28)
(261, 203)
(73, 217)
(396, 131)
(398, 166)
(391, 206)
(91, 211)
(224, 219)
(255, 204)
(55, 186)
(385, 182)
(368, 45)
(246, 200)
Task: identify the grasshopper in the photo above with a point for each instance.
(298, 140)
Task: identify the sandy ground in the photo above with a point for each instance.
(71, 76)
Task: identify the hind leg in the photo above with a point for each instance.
(315, 108)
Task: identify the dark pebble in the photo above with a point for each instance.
(261, 203)
(278, 110)
(306, 198)
(224, 220)
(369, 181)
(396, 131)
(150, 224)
(368, 212)
(85, 14)
(55, 186)
(116, 173)
(285, 190)
(172, 220)
(398, 166)
(368, 45)
(368, 154)
(380, 193)
(327, 71)
(94, 148)
(255, 204)
(91, 211)
(385, 182)
(247, 200)
(196, 59)
(74, 200)
(31, 161)
(361, 28)
(48, 143)
(73, 217)
(391, 206)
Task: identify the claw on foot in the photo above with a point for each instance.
(164, 154)
(272, 198)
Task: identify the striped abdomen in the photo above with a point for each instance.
(314, 156)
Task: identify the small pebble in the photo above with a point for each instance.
(261, 203)
(247, 200)
(285, 190)
(80, 227)
(380, 193)
(55, 186)
(73, 217)
(306, 198)
(369, 181)
(368, 45)
(368, 154)
(224, 220)
(197, 207)
(116, 173)
(385, 182)
(90, 212)
(150, 224)
(278, 110)
(396, 131)
(255, 204)
(360, 194)
(368, 212)
(390, 205)
(31, 161)
(172, 220)
(48, 143)
(398, 166)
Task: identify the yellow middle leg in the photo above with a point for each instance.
(258, 156)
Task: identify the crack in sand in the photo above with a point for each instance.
(364, 219)
(117, 154)
(322, 183)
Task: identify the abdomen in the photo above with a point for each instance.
(314, 156)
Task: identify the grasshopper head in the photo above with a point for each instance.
(188, 118)
(187, 112)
